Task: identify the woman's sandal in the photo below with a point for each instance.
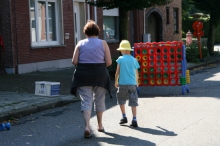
(101, 130)
(87, 134)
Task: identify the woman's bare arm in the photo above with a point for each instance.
(75, 58)
(108, 59)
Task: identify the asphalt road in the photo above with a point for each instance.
(165, 118)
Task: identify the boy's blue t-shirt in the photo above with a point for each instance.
(128, 66)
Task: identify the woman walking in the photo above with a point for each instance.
(91, 78)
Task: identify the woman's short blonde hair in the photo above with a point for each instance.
(91, 28)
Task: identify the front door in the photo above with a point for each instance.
(76, 22)
(79, 20)
(153, 27)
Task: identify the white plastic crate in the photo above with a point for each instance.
(45, 88)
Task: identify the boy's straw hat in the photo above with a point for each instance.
(125, 45)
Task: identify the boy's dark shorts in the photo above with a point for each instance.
(129, 92)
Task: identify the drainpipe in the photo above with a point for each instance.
(88, 12)
(16, 43)
(144, 21)
(95, 12)
(139, 29)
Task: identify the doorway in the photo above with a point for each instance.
(79, 20)
(154, 24)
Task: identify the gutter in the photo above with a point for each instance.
(16, 41)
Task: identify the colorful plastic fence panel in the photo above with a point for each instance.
(161, 64)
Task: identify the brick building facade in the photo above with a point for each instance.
(32, 44)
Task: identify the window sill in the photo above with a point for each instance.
(112, 41)
(48, 46)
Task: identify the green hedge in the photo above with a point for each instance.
(193, 55)
(217, 35)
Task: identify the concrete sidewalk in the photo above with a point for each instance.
(15, 105)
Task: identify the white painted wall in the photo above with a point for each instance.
(38, 66)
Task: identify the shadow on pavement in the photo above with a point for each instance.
(163, 131)
(124, 140)
(114, 139)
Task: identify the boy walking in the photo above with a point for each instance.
(126, 80)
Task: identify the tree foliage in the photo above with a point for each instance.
(189, 8)
(185, 7)
(212, 8)
(127, 5)
(124, 7)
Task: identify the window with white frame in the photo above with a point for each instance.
(44, 18)
(111, 25)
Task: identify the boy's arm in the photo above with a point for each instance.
(137, 76)
(117, 76)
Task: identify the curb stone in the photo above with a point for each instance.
(203, 64)
(34, 108)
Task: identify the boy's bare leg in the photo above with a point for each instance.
(134, 121)
(124, 118)
(134, 111)
(122, 107)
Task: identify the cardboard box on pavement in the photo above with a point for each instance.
(46, 88)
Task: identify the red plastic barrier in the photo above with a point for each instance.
(160, 63)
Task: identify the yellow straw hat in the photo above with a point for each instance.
(125, 45)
